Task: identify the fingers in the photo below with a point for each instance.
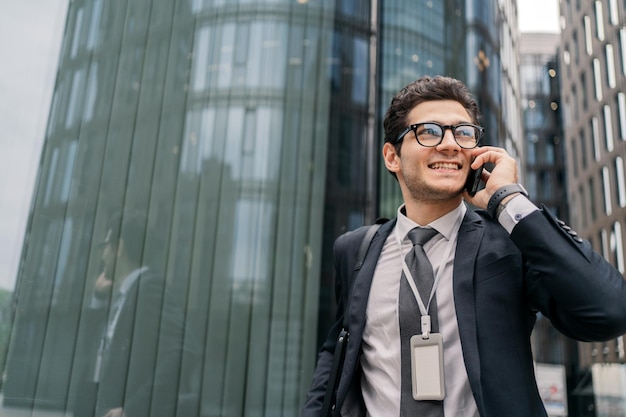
(489, 154)
(504, 172)
(505, 166)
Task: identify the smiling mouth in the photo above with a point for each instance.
(445, 165)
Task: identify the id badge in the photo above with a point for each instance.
(427, 367)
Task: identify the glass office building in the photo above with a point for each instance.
(205, 154)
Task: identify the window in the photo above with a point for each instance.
(583, 138)
(595, 133)
(584, 213)
(619, 180)
(613, 12)
(599, 21)
(597, 77)
(617, 246)
(593, 211)
(621, 109)
(75, 105)
(622, 47)
(608, 128)
(588, 42)
(610, 65)
(583, 88)
(94, 25)
(78, 27)
(604, 241)
(545, 185)
(575, 47)
(606, 187)
(574, 158)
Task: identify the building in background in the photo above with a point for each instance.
(545, 148)
(556, 355)
(593, 103)
(247, 135)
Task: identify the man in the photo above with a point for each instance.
(136, 332)
(492, 270)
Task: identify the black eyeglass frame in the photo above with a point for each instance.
(479, 129)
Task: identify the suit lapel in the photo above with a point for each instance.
(470, 236)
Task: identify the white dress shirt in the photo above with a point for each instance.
(381, 337)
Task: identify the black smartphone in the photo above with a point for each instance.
(473, 181)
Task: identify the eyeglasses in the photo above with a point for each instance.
(430, 134)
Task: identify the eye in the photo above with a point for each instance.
(429, 129)
(465, 131)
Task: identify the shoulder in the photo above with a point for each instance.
(353, 238)
(480, 219)
(149, 284)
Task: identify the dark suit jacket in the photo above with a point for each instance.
(141, 367)
(499, 282)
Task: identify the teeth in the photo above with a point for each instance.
(445, 165)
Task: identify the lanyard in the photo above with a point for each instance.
(425, 319)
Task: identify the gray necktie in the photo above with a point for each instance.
(409, 317)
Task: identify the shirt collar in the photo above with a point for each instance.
(131, 278)
(444, 224)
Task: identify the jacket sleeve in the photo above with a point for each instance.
(344, 252)
(577, 289)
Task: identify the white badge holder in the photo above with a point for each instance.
(427, 367)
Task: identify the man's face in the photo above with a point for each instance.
(109, 255)
(433, 173)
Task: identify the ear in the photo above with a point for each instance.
(392, 159)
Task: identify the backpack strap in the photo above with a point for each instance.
(330, 397)
(365, 244)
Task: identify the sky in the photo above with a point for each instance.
(538, 15)
(30, 41)
(30, 37)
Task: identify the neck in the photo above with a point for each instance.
(425, 212)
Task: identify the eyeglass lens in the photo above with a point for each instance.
(431, 134)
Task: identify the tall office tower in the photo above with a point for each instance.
(545, 182)
(221, 145)
(593, 79)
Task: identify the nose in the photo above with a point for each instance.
(448, 141)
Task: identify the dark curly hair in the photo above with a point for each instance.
(426, 88)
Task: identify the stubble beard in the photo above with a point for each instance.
(422, 191)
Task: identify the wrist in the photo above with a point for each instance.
(503, 195)
(503, 204)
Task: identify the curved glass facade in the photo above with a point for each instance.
(200, 159)
(205, 124)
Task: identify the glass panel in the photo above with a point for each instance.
(173, 258)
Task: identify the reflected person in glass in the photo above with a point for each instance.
(137, 338)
